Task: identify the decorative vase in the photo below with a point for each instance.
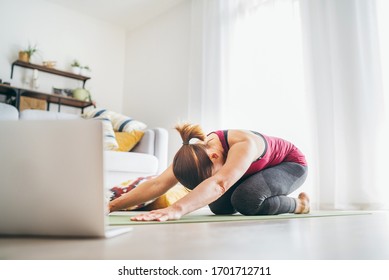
(76, 70)
(85, 72)
(23, 56)
(81, 94)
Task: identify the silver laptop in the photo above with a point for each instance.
(52, 179)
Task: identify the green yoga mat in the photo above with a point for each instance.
(198, 218)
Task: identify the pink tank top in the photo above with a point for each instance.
(277, 150)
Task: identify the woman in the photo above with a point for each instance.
(231, 171)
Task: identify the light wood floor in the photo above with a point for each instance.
(364, 237)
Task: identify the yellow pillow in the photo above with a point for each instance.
(128, 140)
(171, 196)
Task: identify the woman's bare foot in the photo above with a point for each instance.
(302, 204)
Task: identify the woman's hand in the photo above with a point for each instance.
(161, 215)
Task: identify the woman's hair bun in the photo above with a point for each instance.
(189, 131)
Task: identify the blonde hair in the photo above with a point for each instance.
(191, 164)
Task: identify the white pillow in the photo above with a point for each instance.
(120, 123)
(110, 142)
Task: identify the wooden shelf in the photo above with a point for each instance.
(57, 99)
(48, 70)
(48, 97)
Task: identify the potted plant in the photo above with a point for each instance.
(25, 55)
(85, 70)
(76, 67)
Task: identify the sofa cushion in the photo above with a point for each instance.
(128, 140)
(120, 122)
(31, 114)
(8, 112)
(167, 199)
(125, 187)
(130, 162)
(110, 142)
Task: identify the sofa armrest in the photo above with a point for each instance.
(161, 148)
(147, 144)
(155, 142)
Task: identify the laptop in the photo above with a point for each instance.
(52, 179)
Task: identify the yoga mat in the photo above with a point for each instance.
(124, 219)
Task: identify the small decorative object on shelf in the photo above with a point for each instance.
(63, 91)
(82, 94)
(85, 70)
(57, 90)
(49, 63)
(68, 92)
(25, 55)
(34, 81)
(76, 67)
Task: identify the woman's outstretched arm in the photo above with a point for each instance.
(146, 191)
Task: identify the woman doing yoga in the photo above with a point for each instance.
(229, 170)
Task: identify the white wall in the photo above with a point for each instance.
(156, 76)
(63, 35)
(142, 73)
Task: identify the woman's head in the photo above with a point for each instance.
(191, 164)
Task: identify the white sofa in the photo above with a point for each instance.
(149, 157)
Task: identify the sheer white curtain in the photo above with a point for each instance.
(345, 80)
(383, 145)
(263, 75)
(205, 63)
(247, 70)
(305, 70)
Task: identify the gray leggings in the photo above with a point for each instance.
(263, 193)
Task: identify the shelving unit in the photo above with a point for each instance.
(48, 70)
(48, 97)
